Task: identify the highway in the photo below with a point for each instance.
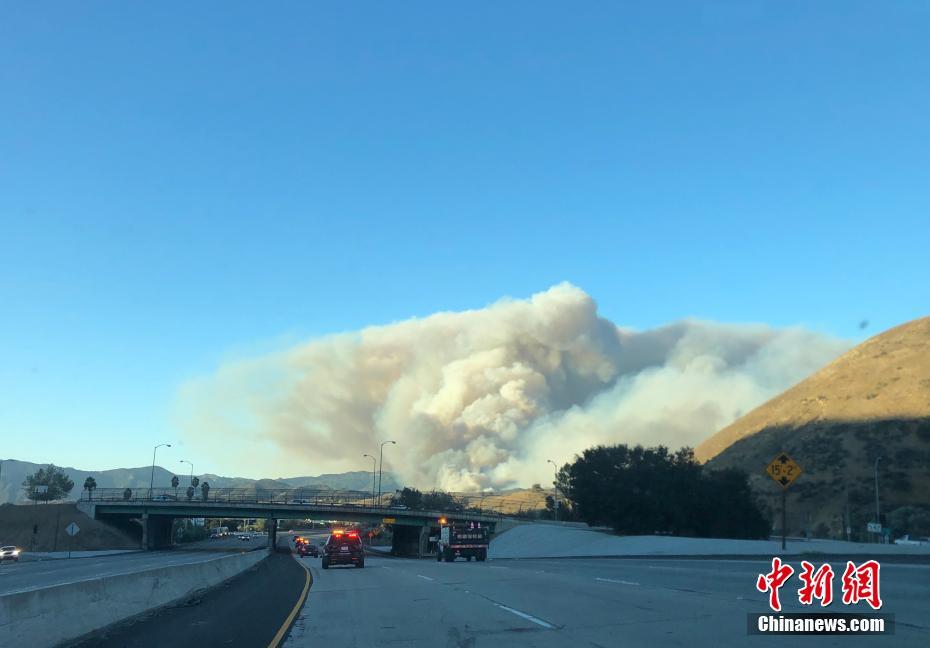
(570, 602)
(533, 602)
(30, 575)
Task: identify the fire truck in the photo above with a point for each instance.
(462, 540)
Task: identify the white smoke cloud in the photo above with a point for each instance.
(483, 398)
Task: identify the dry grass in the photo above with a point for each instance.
(873, 401)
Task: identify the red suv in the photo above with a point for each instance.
(343, 548)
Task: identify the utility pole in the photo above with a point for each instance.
(152, 479)
(381, 466)
(556, 488)
(784, 517)
(878, 514)
(192, 470)
(848, 519)
(374, 465)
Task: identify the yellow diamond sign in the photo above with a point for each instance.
(783, 470)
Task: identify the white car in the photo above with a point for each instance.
(9, 552)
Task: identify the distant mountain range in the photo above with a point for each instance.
(13, 472)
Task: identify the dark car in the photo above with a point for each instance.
(306, 548)
(343, 548)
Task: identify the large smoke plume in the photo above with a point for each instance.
(483, 398)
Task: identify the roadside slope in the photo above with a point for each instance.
(50, 520)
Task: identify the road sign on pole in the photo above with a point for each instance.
(72, 530)
(784, 470)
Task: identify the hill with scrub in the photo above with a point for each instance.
(872, 402)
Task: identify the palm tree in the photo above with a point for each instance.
(89, 485)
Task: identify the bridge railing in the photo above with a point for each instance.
(319, 497)
(516, 505)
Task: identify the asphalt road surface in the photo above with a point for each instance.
(248, 610)
(25, 576)
(571, 602)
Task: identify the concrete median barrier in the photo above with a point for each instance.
(51, 615)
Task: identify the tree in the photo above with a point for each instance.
(549, 513)
(436, 500)
(637, 490)
(911, 520)
(57, 481)
(190, 493)
(409, 497)
(195, 482)
(175, 482)
(205, 490)
(90, 484)
(441, 501)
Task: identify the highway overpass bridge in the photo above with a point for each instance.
(158, 508)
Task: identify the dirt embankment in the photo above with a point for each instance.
(18, 523)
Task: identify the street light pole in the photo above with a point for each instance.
(556, 488)
(152, 479)
(192, 469)
(878, 516)
(374, 465)
(381, 466)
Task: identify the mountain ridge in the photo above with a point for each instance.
(14, 471)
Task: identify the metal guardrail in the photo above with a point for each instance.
(362, 500)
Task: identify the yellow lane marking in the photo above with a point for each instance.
(293, 615)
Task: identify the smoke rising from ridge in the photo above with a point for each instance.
(483, 398)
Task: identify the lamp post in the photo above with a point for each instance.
(374, 465)
(381, 466)
(878, 516)
(152, 479)
(556, 488)
(192, 469)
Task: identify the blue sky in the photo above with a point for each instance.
(182, 184)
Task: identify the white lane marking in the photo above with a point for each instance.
(425, 577)
(614, 580)
(528, 617)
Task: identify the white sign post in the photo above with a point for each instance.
(72, 530)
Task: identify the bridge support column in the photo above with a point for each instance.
(156, 531)
(422, 549)
(272, 526)
(410, 540)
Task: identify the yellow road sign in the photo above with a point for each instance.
(783, 470)
(389, 520)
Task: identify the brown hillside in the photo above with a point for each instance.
(885, 377)
(17, 523)
(874, 401)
